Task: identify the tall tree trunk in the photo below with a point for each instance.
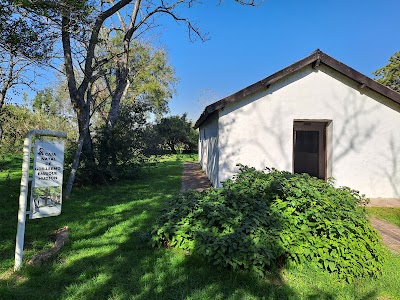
(84, 130)
(75, 163)
(122, 71)
(76, 91)
(119, 92)
(172, 146)
(1, 132)
(2, 97)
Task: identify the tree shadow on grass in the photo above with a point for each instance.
(108, 256)
(322, 295)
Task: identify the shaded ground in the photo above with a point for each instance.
(195, 179)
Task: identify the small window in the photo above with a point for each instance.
(204, 134)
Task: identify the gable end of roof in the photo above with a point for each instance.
(315, 59)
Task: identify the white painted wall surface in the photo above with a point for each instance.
(364, 149)
(208, 148)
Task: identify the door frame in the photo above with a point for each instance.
(322, 127)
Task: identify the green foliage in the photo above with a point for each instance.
(119, 151)
(177, 131)
(106, 256)
(389, 75)
(262, 221)
(18, 120)
(153, 76)
(23, 32)
(44, 101)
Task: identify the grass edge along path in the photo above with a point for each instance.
(389, 214)
(108, 257)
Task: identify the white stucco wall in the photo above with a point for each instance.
(364, 141)
(208, 148)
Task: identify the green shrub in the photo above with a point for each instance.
(262, 221)
(120, 150)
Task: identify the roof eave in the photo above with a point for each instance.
(316, 58)
(264, 83)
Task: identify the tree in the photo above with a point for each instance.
(81, 24)
(23, 33)
(177, 130)
(24, 44)
(389, 75)
(151, 78)
(12, 73)
(120, 151)
(152, 85)
(18, 120)
(44, 101)
(141, 17)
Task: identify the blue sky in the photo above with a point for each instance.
(249, 43)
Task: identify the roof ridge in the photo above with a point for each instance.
(315, 59)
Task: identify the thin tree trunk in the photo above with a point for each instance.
(119, 92)
(87, 147)
(76, 92)
(2, 97)
(172, 146)
(75, 163)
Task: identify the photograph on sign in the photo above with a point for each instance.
(46, 194)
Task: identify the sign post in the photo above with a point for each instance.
(47, 179)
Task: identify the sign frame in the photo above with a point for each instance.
(19, 243)
(48, 166)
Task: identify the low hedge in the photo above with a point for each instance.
(263, 221)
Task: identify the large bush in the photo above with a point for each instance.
(262, 221)
(120, 150)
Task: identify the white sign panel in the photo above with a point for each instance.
(46, 195)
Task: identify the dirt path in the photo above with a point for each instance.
(390, 233)
(194, 178)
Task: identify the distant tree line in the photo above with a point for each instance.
(119, 153)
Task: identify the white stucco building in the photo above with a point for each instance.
(317, 116)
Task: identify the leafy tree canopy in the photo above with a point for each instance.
(17, 120)
(389, 75)
(23, 32)
(177, 130)
(44, 101)
(151, 77)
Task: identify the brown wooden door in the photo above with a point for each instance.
(309, 148)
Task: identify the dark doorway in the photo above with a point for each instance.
(309, 148)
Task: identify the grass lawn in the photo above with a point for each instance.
(389, 214)
(108, 257)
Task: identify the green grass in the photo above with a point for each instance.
(108, 257)
(389, 214)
